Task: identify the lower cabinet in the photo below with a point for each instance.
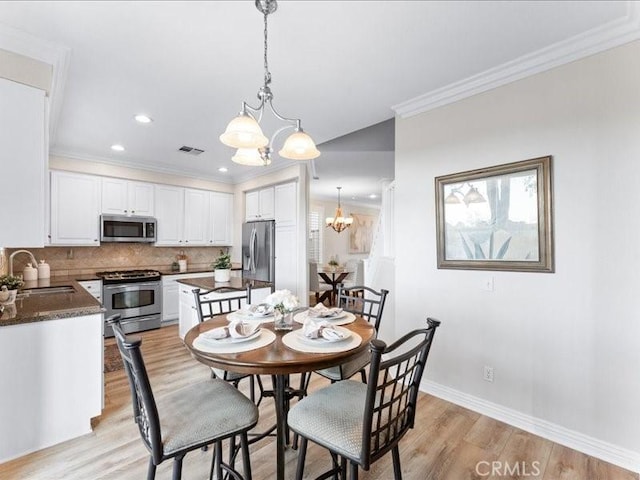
(170, 294)
(94, 287)
(189, 314)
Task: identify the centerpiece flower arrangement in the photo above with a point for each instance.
(283, 303)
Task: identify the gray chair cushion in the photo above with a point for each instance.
(227, 375)
(339, 429)
(347, 369)
(190, 415)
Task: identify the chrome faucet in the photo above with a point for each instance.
(33, 259)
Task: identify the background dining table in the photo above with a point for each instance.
(277, 360)
(333, 276)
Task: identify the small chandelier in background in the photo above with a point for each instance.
(472, 195)
(338, 222)
(244, 132)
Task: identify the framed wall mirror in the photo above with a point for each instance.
(496, 218)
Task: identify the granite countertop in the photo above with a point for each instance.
(30, 308)
(168, 271)
(208, 283)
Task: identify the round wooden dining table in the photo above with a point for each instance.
(277, 360)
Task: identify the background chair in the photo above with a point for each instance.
(370, 306)
(355, 278)
(315, 285)
(187, 419)
(208, 306)
(359, 423)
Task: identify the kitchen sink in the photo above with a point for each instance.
(48, 290)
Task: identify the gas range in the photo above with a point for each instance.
(128, 276)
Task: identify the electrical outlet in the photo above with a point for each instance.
(487, 374)
(487, 284)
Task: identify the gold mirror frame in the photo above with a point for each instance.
(487, 238)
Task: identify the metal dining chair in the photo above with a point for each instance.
(187, 419)
(371, 307)
(360, 423)
(209, 306)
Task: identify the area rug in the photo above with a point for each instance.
(112, 358)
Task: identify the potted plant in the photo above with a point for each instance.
(222, 267)
(9, 285)
(333, 263)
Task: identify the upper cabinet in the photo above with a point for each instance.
(259, 204)
(169, 214)
(286, 211)
(125, 197)
(189, 217)
(23, 159)
(75, 212)
(221, 231)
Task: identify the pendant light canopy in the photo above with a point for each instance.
(244, 132)
(338, 222)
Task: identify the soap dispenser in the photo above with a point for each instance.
(44, 271)
(30, 273)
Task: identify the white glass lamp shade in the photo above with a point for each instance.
(250, 157)
(299, 146)
(244, 132)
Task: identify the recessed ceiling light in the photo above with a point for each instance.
(142, 118)
(117, 148)
(223, 169)
(353, 198)
(373, 195)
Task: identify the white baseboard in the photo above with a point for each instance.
(578, 441)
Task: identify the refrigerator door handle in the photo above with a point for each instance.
(252, 249)
(256, 260)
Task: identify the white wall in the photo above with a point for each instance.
(334, 243)
(564, 346)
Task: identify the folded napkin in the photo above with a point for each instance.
(320, 311)
(260, 310)
(235, 329)
(325, 330)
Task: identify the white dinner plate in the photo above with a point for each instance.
(248, 317)
(341, 319)
(321, 340)
(228, 340)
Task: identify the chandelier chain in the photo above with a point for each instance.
(267, 74)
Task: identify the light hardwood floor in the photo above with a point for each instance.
(447, 443)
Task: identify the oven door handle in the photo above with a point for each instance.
(129, 285)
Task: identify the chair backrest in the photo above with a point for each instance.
(314, 283)
(392, 390)
(358, 278)
(370, 305)
(145, 412)
(210, 306)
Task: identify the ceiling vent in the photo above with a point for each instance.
(190, 150)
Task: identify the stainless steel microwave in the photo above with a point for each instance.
(120, 228)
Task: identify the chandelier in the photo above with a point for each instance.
(338, 222)
(244, 132)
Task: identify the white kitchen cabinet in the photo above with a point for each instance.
(75, 209)
(170, 293)
(285, 204)
(125, 197)
(170, 215)
(259, 205)
(196, 217)
(221, 219)
(94, 287)
(23, 159)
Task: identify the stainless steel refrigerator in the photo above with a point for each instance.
(258, 250)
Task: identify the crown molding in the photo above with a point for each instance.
(57, 56)
(137, 166)
(613, 34)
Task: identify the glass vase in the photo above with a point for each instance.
(282, 321)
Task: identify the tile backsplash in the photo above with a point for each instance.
(116, 256)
